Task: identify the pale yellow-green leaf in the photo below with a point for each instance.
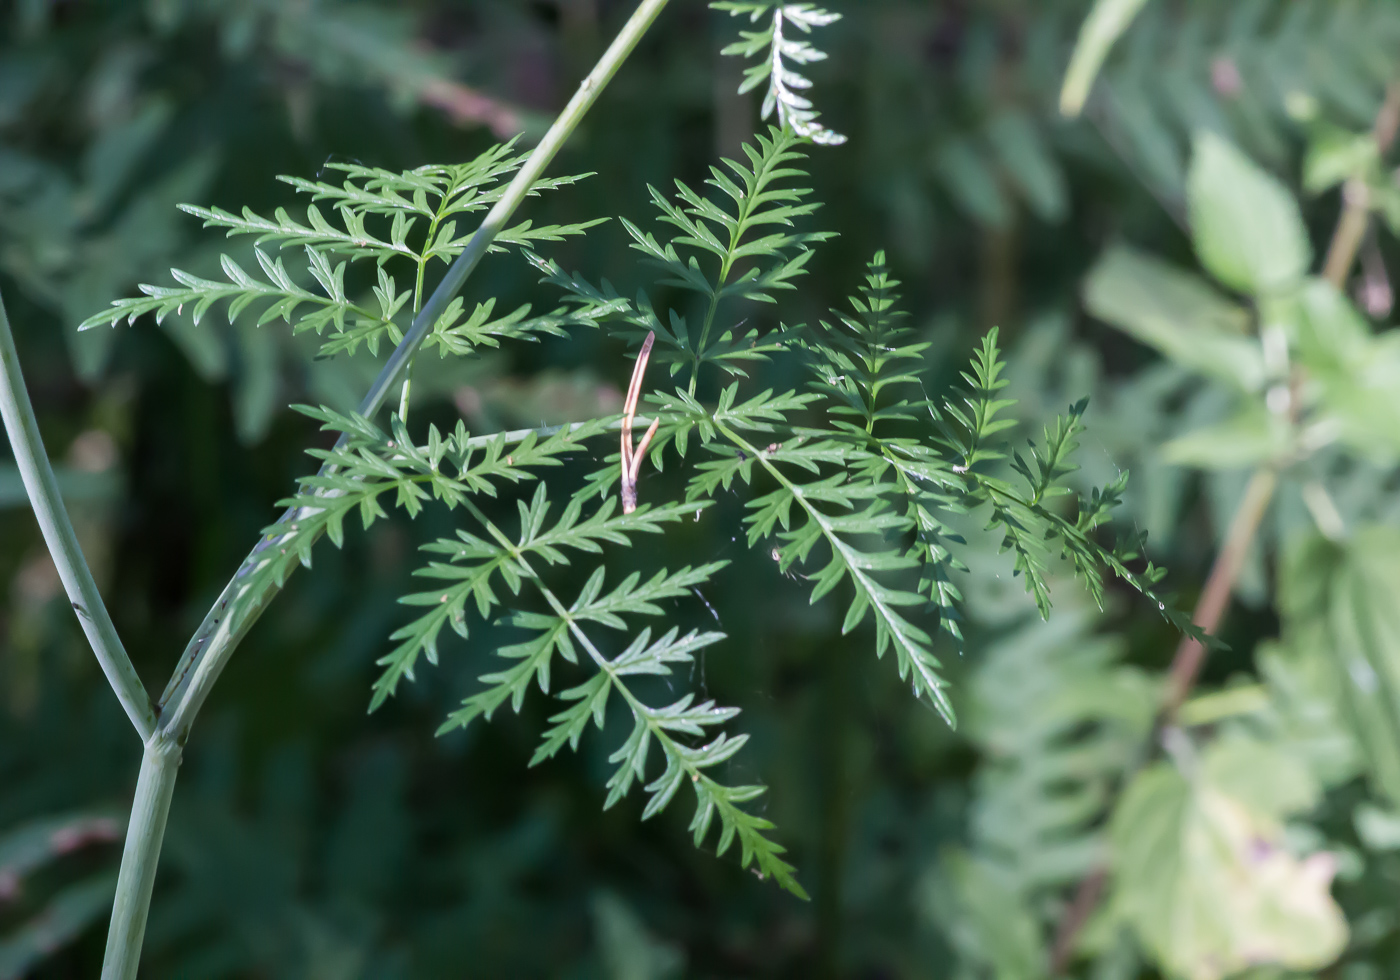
(1179, 314)
(1246, 225)
(1252, 436)
(1216, 706)
(1203, 876)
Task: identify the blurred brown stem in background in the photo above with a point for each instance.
(1224, 573)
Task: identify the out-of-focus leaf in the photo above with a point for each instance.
(1246, 225)
(1355, 375)
(1030, 165)
(114, 155)
(1059, 719)
(61, 921)
(1149, 142)
(1378, 829)
(1202, 874)
(1253, 436)
(628, 949)
(256, 383)
(972, 182)
(987, 918)
(1339, 603)
(143, 232)
(1177, 313)
(1104, 25)
(1305, 713)
(1335, 155)
(29, 847)
(1208, 709)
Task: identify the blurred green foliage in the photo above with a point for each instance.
(1154, 254)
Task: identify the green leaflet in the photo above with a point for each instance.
(858, 503)
(778, 46)
(403, 221)
(715, 252)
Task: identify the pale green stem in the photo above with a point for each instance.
(42, 488)
(234, 613)
(137, 877)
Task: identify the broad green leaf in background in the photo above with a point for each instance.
(1179, 314)
(1252, 436)
(1339, 605)
(1354, 375)
(1202, 873)
(1303, 713)
(1246, 225)
(1336, 155)
(1104, 25)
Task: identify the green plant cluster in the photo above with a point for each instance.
(823, 481)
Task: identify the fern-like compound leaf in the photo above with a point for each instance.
(781, 49)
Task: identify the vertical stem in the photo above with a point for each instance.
(42, 489)
(137, 877)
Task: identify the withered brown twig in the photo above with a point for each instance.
(632, 460)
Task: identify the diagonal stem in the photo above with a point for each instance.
(235, 611)
(43, 492)
(238, 608)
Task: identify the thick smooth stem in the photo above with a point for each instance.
(42, 488)
(135, 881)
(235, 611)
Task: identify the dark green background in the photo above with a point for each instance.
(309, 840)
